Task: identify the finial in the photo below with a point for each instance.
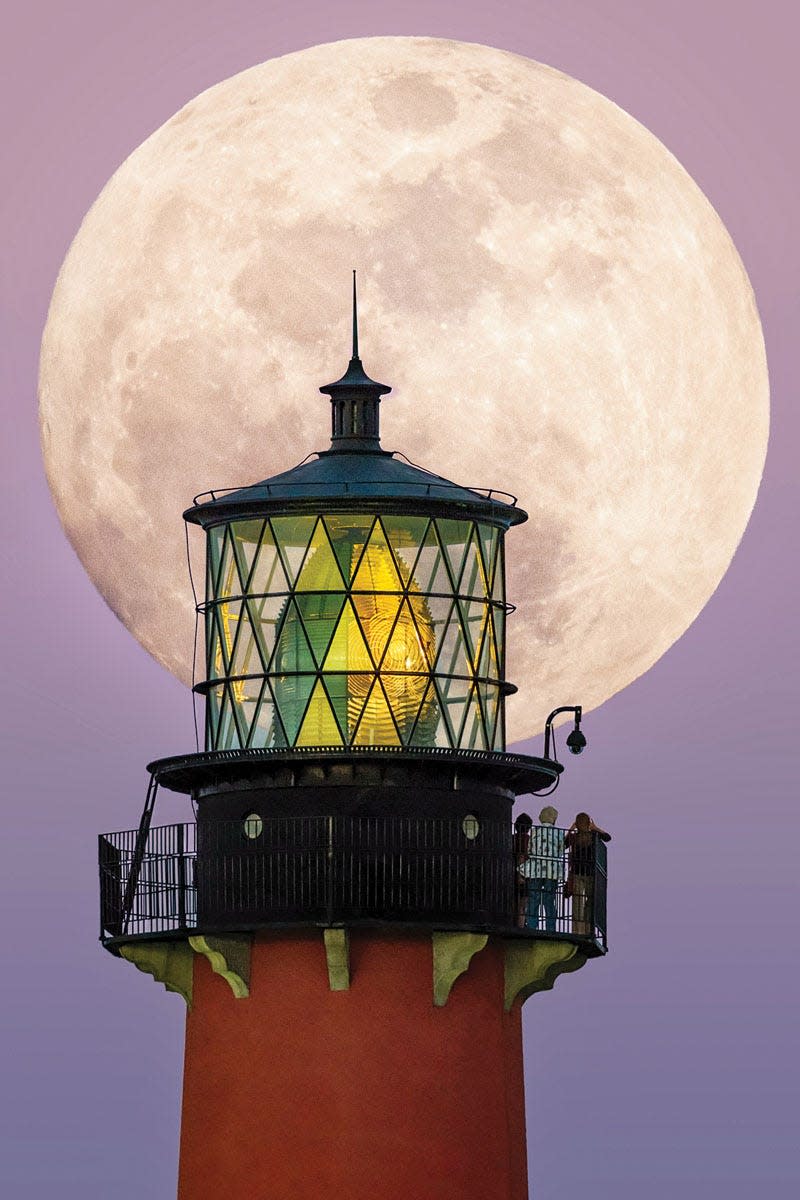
(355, 400)
(355, 318)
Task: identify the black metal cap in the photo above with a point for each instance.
(353, 482)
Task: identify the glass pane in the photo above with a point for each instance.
(216, 538)
(377, 571)
(265, 615)
(453, 657)
(227, 733)
(358, 688)
(227, 582)
(247, 695)
(292, 694)
(426, 640)
(443, 736)
(406, 536)
(247, 657)
(348, 535)
(413, 705)
(246, 541)
(216, 546)
(267, 573)
(440, 608)
(293, 651)
(275, 732)
(473, 577)
(226, 619)
(500, 727)
(320, 613)
(498, 584)
(213, 699)
(376, 726)
(473, 620)
(319, 727)
(487, 663)
(241, 710)
(212, 642)
(409, 643)
(489, 699)
(347, 649)
(489, 539)
(253, 713)
(377, 615)
(423, 732)
(473, 735)
(338, 695)
(454, 536)
(320, 570)
(453, 697)
(292, 535)
(430, 573)
(499, 623)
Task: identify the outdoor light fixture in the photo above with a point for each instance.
(576, 741)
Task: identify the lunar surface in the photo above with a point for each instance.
(559, 309)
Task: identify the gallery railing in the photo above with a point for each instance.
(331, 870)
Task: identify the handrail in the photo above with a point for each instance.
(331, 869)
(304, 486)
(142, 835)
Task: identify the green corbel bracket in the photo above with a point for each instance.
(534, 966)
(230, 958)
(452, 954)
(169, 963)
(337, 955)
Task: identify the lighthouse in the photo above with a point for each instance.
(347, 918)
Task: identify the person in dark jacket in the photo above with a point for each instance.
(581, 841)
(522, 837)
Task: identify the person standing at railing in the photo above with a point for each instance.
(580, 841)
(544, 869)
(522, 839)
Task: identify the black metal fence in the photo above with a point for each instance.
(150, 888)
(223, 875)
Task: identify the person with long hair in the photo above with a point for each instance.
(580, 841)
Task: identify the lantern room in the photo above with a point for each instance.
(355, 600)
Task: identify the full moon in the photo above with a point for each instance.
(559, 309)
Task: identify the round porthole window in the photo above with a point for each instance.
(253, 825)
(471, 826)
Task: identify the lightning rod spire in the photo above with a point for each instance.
(355, 403)
(355, 318)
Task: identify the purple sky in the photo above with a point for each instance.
(670, 1068)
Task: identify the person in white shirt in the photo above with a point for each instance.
(544, 869)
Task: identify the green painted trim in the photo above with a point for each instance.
(452, 954)
(534, 967)
(169, 963)
(230, 958)
(337, 955)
